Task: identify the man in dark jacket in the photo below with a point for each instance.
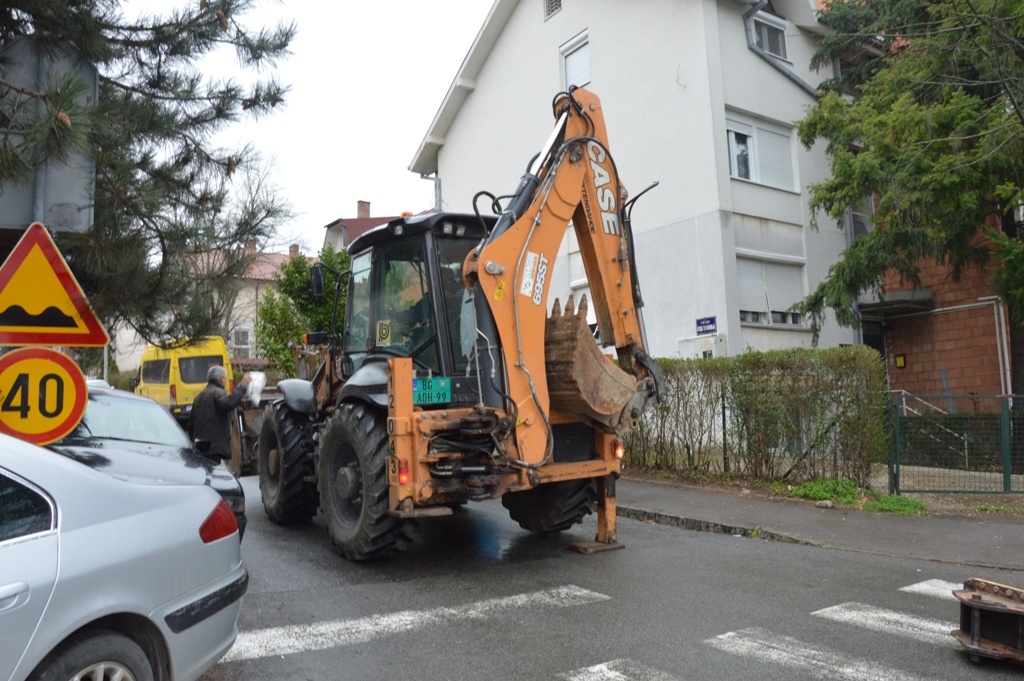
(211, 411)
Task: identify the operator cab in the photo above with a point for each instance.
(391, 310)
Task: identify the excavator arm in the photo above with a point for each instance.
(533, 364)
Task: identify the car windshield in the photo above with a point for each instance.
(114, 418)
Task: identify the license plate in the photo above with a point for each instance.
(434, 390)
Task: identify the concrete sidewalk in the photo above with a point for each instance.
(979, 542)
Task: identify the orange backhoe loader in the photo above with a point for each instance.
(449, 381)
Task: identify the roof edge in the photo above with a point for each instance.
(424, 161)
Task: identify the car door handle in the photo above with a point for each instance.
(9, 595)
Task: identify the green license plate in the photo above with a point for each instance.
(434, 390)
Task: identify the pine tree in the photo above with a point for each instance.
(166, 196)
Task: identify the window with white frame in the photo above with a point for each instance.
(759, 152)
(576, 61)
(767, 290)
(770, 34)
(241, 344)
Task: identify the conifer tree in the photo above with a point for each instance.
(173, 211)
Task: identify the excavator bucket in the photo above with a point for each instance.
(582, 381)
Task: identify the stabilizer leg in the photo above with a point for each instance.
(607, 537)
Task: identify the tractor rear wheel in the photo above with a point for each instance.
(286, 466)
(553, 507)
(354, 485)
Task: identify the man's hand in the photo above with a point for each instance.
(245, 380)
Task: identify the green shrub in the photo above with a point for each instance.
(895, 504)
(793, 415)
(840, 491)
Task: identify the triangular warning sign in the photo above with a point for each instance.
(40, 301)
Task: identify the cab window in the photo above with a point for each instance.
(357, 310)
(405, 324)
(458, 307)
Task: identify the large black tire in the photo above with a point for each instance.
(96, 655)
(287, 478)
(354, 486)
(553, 507)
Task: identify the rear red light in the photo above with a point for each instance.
(221, 523)
(174, 394)
(403, 474)
(620, 449)
(231, 386)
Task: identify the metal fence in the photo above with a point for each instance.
(971, 444)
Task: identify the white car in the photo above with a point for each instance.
(105, 577)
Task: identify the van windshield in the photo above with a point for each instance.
(193, 369)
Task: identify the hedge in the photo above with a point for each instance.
(794, 414)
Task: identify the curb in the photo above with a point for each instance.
(708, 526)
(712, 527)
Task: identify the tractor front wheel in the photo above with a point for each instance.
(285, 465)
(354, 485)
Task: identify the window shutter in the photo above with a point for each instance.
(774, 159)
(785, 285)
(577, 66)
(750, 285)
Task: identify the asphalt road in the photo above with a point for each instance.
(477, 598)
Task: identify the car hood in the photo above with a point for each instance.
(147, 461)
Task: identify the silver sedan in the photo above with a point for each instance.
(105, 577)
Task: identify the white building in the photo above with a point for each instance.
(693, 98)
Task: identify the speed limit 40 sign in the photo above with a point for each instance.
(42, 394)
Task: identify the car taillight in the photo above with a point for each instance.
(218, 524)
(620, 449)
(174, 394)
(231, 385)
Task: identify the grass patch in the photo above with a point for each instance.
(895, 504)
(839, 491)
(997, 510)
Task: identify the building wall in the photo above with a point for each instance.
(667, 73)
(959, 348)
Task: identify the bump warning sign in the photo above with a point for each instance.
(40, 301)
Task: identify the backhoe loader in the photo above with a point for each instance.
(449, 382)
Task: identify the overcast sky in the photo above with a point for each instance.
(366, 80)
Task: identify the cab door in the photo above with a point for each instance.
(28, 564)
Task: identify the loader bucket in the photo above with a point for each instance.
(584, 382)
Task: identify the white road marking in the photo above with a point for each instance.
(890, 622)
(617, 670)
(765, 646)
(936, 588)
(322, 635)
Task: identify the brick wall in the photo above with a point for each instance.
(947, 351)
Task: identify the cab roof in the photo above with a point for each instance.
(458, 224)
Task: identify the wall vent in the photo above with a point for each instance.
(551, 7)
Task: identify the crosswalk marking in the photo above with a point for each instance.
(890, 622)
(617, 670)
(936, 588)
(322, 635)
(765, 646)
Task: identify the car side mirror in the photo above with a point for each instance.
(134, 383)
(316, 277)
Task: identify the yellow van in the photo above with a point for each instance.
(174, 374)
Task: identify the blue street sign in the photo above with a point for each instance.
(707, 325)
